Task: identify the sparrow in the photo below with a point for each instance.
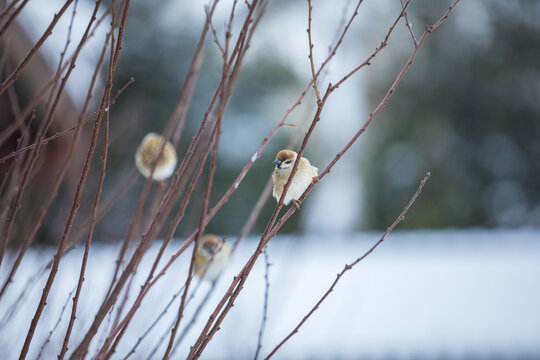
(147, 154)
(212, 257)
(305, 174)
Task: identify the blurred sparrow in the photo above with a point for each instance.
(212, 257)
(147, 153)
(304, 175)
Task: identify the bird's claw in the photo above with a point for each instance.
(315, 179)
(296, 203)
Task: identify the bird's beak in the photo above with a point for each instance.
(277, 162)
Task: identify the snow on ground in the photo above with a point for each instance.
(421, 294)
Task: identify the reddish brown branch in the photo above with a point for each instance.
(95, 207)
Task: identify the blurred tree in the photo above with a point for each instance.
(469, 112)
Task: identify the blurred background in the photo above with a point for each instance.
(468, 111)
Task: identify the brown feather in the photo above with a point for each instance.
(285, 154)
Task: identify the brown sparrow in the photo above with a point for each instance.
(303, 177)
(212, 257)
(147, 154)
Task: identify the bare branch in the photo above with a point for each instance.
(48, 339)
(311, 61)
(265, 306)
(93, 217)
(408, 24)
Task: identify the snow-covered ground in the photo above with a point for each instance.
(422, 294)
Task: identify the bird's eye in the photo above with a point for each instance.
(288, 161)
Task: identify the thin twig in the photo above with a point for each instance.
(214, 35)
(408, 24)
(342, 23)
(186, 94)
(200, 230)
(311, 61)
(156, 321)
(14, 172)
(29, 285)
(48, 339)
(186, 329)
(93, 217)
(382, 46)
(190, 324)
(68, 130)
(160, 341)
(265, 306)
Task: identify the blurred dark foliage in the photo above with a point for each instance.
(469, 112)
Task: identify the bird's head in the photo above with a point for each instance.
(285, 159)
(210, 245)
